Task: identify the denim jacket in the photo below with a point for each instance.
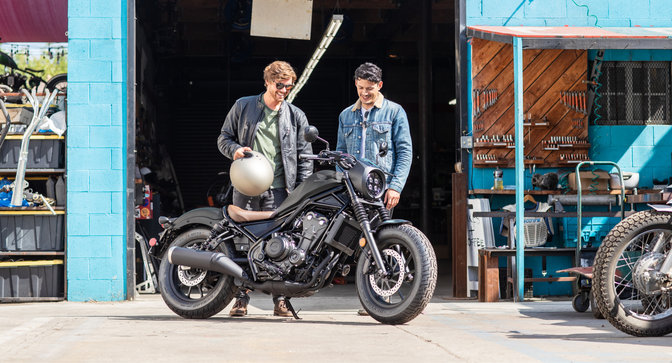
(387, 122)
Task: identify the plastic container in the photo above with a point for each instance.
(31, 232)
(42, 154)
(498, 176)
(59, 191)
(31, 279)
(630, 180)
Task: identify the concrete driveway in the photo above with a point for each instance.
(330, 331)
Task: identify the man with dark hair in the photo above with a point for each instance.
(267, 124)
(376, 129)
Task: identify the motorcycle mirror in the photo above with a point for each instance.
(311, 134)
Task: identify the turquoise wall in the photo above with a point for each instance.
(643, 149)
(95, 150)
(603, 13)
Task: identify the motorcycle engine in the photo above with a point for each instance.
(284, 251)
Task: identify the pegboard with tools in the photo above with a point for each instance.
(555, 109)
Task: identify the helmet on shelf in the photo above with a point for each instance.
(252, 174)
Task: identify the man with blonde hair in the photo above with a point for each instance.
(266, 124)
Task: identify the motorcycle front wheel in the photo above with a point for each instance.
(627, 289)
(404, 292)
(194, 293)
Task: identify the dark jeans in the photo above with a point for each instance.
(268, 201)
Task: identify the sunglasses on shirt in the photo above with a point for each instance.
(280, 86)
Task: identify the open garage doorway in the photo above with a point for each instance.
(195, 58)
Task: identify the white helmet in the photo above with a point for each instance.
(251, 174)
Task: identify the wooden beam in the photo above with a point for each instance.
(459, 234)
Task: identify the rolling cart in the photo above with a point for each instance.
(584, 298)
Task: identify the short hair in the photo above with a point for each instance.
(279, 70)
(369, 72)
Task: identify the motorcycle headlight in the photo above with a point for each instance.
(375, 184)
(368, 180)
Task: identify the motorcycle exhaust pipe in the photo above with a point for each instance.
(212, 261)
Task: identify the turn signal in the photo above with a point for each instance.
(152, 242)
(362, 242)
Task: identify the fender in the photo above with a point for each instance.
(391, 222)
(662, 207)
(206, 216)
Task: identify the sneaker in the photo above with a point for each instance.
(240, 307)
(281, 309)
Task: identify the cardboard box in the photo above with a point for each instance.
(18, 114)
(590, 180)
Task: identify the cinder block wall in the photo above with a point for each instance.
(603, 13)
(643, 149)
(95, 150)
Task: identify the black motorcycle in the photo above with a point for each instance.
(17, 79)
(330, 221)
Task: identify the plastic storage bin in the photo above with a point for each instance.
(31, 279)
(26, 232)
(42, 154)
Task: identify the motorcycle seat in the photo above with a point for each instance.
(241, 215)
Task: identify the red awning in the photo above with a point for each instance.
(33, 20)
(568, 37)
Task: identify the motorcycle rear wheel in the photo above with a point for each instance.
(405, 292)
(194, 293)
(626, 307)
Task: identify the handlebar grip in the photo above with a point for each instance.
(307, 156)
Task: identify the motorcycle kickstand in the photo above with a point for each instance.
(291, 309)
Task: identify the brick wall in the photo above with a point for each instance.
(95, 150)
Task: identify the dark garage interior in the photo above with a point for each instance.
(194, 58)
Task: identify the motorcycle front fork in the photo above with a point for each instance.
(365, 225)
(659, 247)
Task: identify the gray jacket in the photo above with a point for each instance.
(240, 128)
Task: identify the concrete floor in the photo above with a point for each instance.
(330, 331)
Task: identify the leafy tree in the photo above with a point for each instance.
(51, 62)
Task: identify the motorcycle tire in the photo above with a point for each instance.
(213, 290)
(59, 81)
(382, 297)
(626, 308)
(597, 314)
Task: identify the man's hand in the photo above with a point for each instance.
(240, 152)
(391, 198)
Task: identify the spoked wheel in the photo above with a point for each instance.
(632, 292)
(404, 292)
(58, 83)
(190, 292)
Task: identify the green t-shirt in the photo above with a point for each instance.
(267, 142)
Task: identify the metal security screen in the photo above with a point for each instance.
(633, 93)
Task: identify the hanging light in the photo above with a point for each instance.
(329, 34)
